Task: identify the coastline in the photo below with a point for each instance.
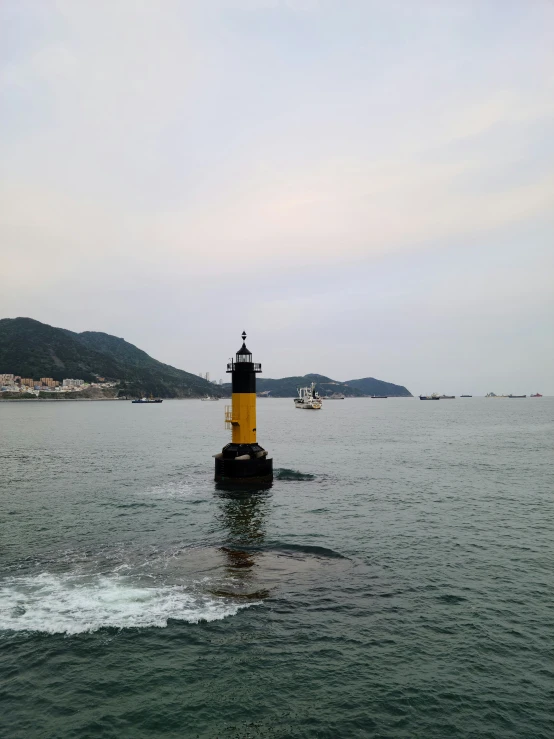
(55, 400)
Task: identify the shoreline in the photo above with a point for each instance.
(82, 400)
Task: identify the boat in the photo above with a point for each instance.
(209, 397)
(517, 396)
(447, 397)
(434, 396)
(151, 399)
(376, 397)
(466, 396)
(308, 398)
(536, 395)
(494, 395)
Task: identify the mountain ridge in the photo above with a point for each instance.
(286, 387)
(33, 349)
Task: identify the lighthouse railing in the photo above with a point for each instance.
(256, 366)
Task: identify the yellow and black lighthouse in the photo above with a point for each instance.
(243, 460)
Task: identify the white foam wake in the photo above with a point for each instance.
(70, 604)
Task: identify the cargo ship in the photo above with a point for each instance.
(447, 397)
(434, 396)
(517, 396)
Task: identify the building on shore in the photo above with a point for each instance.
(7, 379)
(49, 382)
(68, 382)
(28, 382)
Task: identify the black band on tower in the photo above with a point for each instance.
(244, 381)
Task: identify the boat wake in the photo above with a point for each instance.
(308, 550)
(75, 604)
(285, 474)
(126, 587)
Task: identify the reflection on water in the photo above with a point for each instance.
(242, 515)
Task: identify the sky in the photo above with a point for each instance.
(365, 186)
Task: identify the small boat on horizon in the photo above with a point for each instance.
(209, 397)
(517, 396)
(308, 398)
(379, 397)
(434, 396)
(536, 395)
(466, 396)
(447, 397)
(144, 400)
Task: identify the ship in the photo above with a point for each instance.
(494, 395)
(376, 397)
(466, 396)
(434, 396)
(536, 395)
(447, 397)
(147, 400)
(517, 396)
(209, 397)
(308, 398)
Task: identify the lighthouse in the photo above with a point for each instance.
(243, 460)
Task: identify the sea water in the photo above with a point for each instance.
(396, 580)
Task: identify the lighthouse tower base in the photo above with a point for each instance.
(243, 464)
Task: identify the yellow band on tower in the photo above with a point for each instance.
(244, 418)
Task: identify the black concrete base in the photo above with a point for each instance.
(243, 463)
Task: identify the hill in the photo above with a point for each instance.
(371, 386)
(286, 387)
(33, 349)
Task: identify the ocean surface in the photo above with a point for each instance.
(396, 581)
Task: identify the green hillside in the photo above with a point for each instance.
(371, 386)
(286, 387)
(33, 349)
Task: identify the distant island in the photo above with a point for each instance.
(364, 387)
(56, 363)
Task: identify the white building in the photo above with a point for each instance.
(6, 379)
(73, 383)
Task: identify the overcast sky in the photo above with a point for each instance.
(365, 186)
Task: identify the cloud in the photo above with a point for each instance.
(185, 145)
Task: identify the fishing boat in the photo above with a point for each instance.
(434, 396)
(144, 400)
(308, 398)
(536, 395)
(517, 396)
